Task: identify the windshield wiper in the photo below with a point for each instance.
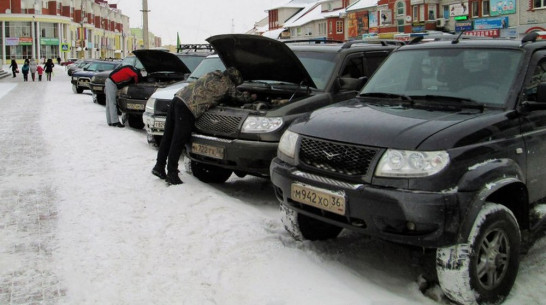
(388, 95)
(463, 102)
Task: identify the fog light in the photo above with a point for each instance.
(410, 225)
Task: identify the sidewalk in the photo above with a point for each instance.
(27, 198)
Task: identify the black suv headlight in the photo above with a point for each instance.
(287, 146)
(411, 164)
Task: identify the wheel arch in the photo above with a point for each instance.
(510, 192)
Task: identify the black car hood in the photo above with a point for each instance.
(260, 58)
(379, 126)
(160, 61)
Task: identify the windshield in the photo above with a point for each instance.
(99, 66)
(191, 61)
(319, 65)
(206, 66)
(483, 76)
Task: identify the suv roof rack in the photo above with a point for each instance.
(313, 41)
(194, 47)
(383, 42)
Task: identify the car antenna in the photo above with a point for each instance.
(456, 40)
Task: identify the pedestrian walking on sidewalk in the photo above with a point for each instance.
(48, 67)
(40, 71)
(14, 67)
(25, 69)
(33, 66)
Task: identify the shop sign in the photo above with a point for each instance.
(25, 41)
(12, 41)
(463, 26)
(49, 41)
(484, 33)
(502, 7)
(491, 23)
(458, 9)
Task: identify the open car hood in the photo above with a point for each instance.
(160, 61)
(260, 58)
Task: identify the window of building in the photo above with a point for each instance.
(322, 28)
(49, 30)
(485, 8)
(422, 12)
(339, 27)
(415, 14)
(475, 9)
(431, 12)
(445, 9)
(400, 25)
(401, 8)
(18, 29)
(540, 3)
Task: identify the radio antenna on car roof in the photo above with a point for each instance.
(456, 40)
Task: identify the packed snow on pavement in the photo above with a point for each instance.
(120, 235)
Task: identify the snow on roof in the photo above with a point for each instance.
(311, 13)
(274, 33)
(362, 4)
(294, 3)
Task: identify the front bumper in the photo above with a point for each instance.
(424, 219)
(252, 157)
(154, 124)
(97, 88)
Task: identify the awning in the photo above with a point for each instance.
(274, 34)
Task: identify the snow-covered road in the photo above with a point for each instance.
(82, 221)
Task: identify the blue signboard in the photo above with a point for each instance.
(491, 23)
(463, 26)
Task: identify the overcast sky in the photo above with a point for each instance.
(197, 20)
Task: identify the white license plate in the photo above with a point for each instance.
(208, 150)
(320, 198)
(135, 106)
(160, 125)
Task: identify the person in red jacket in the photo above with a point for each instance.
(118, 78)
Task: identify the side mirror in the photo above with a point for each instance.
(540, 100)
(351, 84)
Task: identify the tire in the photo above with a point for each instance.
(135, 121)
(210, 173)
(303, 227)
(101, 99)
(484, 269)
(77, 89)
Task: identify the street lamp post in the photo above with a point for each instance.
(145, 12)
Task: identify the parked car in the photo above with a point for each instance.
(443, 149)
(69, 61)
(80, 80)
(98, 80)
(289, 80)
(162, 69)
(158, 104)
(77, 66)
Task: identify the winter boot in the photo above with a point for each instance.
(159, 171)
(172, 178)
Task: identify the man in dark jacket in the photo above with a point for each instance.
(118, 78)
(188, 105)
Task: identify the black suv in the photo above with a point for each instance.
(444, 149)
(161, 69)
(289, 80)
(81, 79)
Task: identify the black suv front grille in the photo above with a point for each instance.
(219, 123)
(338, 158)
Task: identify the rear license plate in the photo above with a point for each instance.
(208, 150)
(160, 125)
(135, 106)
(320, 198)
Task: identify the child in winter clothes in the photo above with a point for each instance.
(25, 70)
(40, 71)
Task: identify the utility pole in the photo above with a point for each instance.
(145, 12)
